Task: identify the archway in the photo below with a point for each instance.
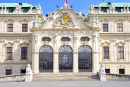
(46, 59)
(65, 59)
(85, 59)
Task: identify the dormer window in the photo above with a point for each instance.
(85, 39)
(46, 39)
(65, 39)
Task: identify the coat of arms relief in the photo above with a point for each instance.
(64, 20)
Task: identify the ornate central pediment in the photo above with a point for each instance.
(64, 20)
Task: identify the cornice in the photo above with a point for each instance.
(15, 34)
(114, 34)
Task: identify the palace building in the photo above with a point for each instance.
(64, 40)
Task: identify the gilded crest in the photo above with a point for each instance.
(64, 20)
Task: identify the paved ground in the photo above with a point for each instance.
(67, 84)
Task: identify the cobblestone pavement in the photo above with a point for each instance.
(67, 84)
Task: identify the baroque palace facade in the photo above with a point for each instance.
(64, 41)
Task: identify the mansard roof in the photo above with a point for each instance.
(15, 4)
(106, 4)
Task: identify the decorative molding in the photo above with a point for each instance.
(24, 44)
(9, 44)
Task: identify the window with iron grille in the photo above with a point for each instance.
(107, 70)
(24, 53)
(24, 27)
(9, 53)
(121, 71)
(8, 71)
(119, 27)
(106, 52)
(105, 27)
(121, 52)
(10, 28)
(23, 71)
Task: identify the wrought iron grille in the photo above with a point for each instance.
(65, 59)
(85, 59)
(46, 59)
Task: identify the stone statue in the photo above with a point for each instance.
(50, 15)
(28, 69)
(29, 73)
(5, 7)
(80, 14)
(65, 5)
(31, 6)
(102, 68)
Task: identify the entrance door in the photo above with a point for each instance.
(65, 59)
(85, 59)
(46, 59)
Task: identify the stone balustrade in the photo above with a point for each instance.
(30, 11)
(12, 78)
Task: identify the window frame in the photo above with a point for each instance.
(23, 28)
(9, 28)
(9, 53)
(119, 27)
(106, 52)
(106, 27)
(24, 54)
(121, 52)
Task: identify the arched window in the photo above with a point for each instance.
(85, 39)
(65, 39)
(46, 39)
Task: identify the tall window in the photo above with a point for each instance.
(106, 52)
(105, 27)
(24, 27)
(10, 28)
(121, 52)
(9, 53)
(24, 53)
(120, 27)
(8, 71)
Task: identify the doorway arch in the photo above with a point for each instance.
(45, 59)
(85, 59)
(65, 59)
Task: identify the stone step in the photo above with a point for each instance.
(65, 77)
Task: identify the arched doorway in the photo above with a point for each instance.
(85, 59)
(65, 59)
(46, 59)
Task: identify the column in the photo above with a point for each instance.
(35, 62)
(75, 62)
(95, 62)
(55, 63)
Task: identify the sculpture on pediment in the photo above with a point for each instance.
(64, 20)
(18, 7)
(50, 15)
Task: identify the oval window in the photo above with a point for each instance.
(46, 39)
(65, 39)
(84, 39)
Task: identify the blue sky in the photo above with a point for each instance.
(50, 5)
